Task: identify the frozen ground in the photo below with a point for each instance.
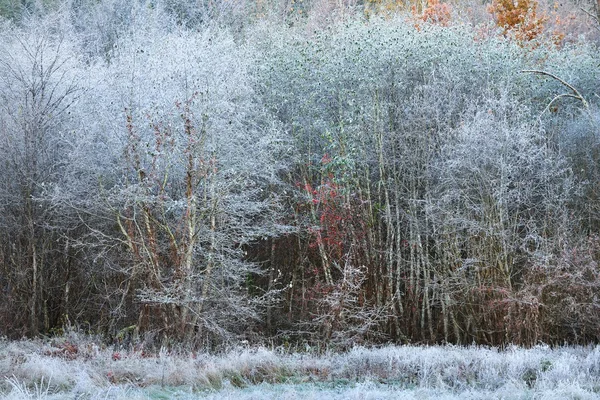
(81, 369)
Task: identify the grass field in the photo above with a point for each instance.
(83, 369)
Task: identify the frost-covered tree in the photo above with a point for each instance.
(496, 213)
(39, 83)
(186, 181)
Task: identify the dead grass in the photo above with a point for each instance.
(81, 368)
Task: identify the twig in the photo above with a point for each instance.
(592, 16)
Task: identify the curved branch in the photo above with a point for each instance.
(575, 94)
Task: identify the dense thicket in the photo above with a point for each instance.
(207, 173)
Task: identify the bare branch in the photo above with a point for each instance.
(575, 94)
(592, 16)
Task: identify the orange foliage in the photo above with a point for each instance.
(518, 18)
(437, 13)
(383, 7)
(561, 24)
